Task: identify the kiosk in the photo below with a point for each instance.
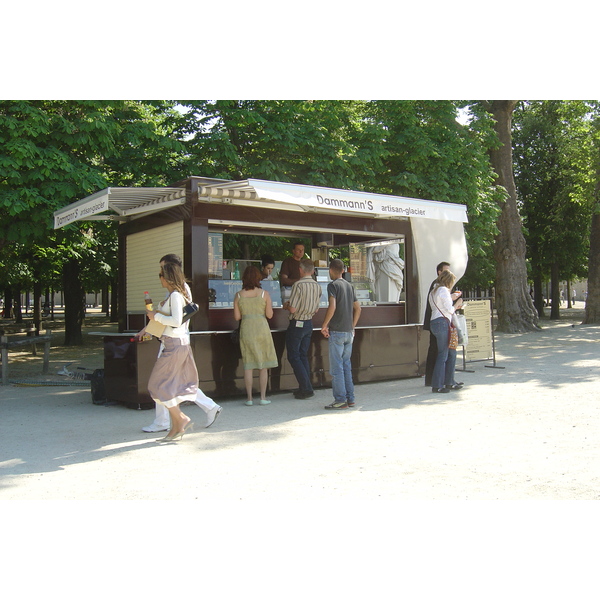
(392, 245)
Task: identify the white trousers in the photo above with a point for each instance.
(162, 419)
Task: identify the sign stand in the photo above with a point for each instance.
(494, 365)
(480, 327)
(464, 367)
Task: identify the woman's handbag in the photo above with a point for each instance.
(460, 322)
(452, 337)
(235, 334)
(189, 310)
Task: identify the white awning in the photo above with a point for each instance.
(122, 201)
(137, 201)
(288, 196)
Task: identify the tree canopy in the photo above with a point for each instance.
(55, 152)
(555, 178)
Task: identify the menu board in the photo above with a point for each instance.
(358, 262)
(478, 314)
(215, 255)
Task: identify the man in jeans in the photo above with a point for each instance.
(339, 323)
(303, 304)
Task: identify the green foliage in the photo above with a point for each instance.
(53, 153)
(410, 148)
(428, 154)
(310, 142)
(253, 247)
(555, 179)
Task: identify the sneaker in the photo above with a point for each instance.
(350, 403)
(154, 428)
(212, 415)
(303, 395)
(337, 405)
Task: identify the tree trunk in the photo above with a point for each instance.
(514, 305)
(555, 291)
(114, 300)
(37, 306)
(592, 306)
(7, 312)
(74, 303)
(105, 300)
(17, 308)
(538, 295)
(48, 306)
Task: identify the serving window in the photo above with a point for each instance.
(375, 269)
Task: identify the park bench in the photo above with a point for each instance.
(16, 341)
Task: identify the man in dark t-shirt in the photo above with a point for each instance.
(340, 320)
(289, 272)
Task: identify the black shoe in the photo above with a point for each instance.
(303, 395)
(440, 390)
(455, 386)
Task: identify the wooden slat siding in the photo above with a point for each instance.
(144, 250)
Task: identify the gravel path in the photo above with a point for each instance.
(526, 431)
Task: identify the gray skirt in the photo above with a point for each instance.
(174, 378)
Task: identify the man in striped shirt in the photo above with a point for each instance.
(303, 304)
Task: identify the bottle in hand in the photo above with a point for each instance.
(148, 301)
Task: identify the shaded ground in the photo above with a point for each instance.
(24, 366)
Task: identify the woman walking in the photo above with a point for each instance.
(174, 378)
(442, 309)
(252, 305)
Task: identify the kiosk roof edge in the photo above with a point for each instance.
(129, 201)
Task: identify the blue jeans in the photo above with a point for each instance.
(443, 372)
(340, 368)
(297, 343)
